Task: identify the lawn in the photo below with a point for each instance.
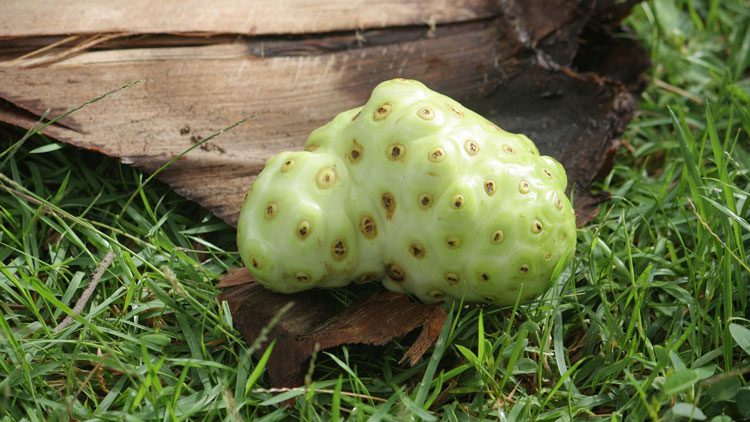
(650, 321)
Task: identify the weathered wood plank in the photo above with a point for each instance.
(23, 18)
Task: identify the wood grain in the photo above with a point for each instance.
(22, 18)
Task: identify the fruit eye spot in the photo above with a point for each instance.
(417, 250)
(339, 250)
(356, 152)
(547, 255)
(536, 227)
(523, 269)
(425, 200)
(548, 173)
(436, 155)
(508, 149)
(524, 186)
(254, 262)
(471, 147)
(382, 111)
(356, 116)
(395, 272)
(326, 178)
(288, 164)
(453, 242)
(497, 236)
(484, 277)
(489, 187)
(395, 152)
(389, 203)
(436, 294)
(558, 203)
(367, 278)
(271, 210)
(302, 277)
(455, 111)
(311, 147)
(451, 278)
(367, 227)
(303, 229)
(457, 202)
(426, 113)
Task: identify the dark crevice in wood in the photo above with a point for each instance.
(264, 46)
(12, 108)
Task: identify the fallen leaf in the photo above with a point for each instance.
(315, 317)
(235, 277)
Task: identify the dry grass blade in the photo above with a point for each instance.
(96, 277)
(20, 59)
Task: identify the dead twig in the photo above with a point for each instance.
(86, 295)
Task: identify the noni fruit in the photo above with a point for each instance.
(415, 190)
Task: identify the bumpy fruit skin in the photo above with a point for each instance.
(416, 190)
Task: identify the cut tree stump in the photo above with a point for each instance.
(560, 71)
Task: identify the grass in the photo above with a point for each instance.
(649, 322)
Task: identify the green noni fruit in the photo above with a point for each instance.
(416, 190)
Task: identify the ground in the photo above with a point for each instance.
(650, 321)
